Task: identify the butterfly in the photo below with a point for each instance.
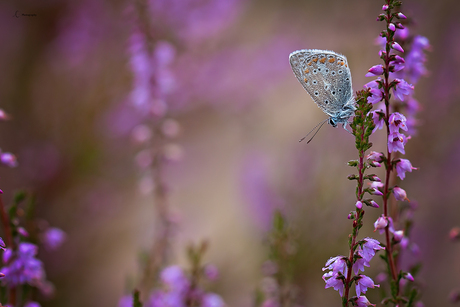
(325, 75)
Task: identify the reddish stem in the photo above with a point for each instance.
(389, 166)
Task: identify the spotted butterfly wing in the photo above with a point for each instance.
(325, 76)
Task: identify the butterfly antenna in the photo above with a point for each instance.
(320, 125)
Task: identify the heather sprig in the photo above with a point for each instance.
(277, 287)
(343, 271)
(392, 74)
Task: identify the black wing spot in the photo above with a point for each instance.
(340, 71)
(315, 82)
(333, 73)
(333, 92)
(326, 101)
(316, 93)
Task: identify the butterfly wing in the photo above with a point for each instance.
(325, 75)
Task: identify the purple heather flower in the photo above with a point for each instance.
(416, 58)
(24, 267)
(378, 119)
(402, 89)
(369, 248)
(402, 34)
(336, 264)
(336, 282)
(175, 278)
(373, 84)
(359, 205)
(397, 120)
(2, 244)
(398, 64)
(400, 194)
(32, 304)
(359, 265)
(402, 167)
(397, 46)
(376, 156)
(376, 96)
(212, 300)
(8, 159)
(396, 142)
(375, 70)
(380, 224)
(363, 283)
(53, 238)
(362, 301)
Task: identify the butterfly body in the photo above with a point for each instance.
(325, 75)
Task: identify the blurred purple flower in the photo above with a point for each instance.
(22, 266)
(211, 272)
(212, 300)
(53, 238)
(416, 59)
(8, 159)
(32, 304)
(257, 189)
(126, 301)
(194, 20)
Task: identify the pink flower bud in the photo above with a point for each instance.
(398, 235)
(375, 70)
(392, 27)
(454, 233)
(385, 7)
(400, 194)
(374, 204)
(397, 47)
(408, 276)
(374, 191)
(401, 16)
(359, 205)
(381, 223)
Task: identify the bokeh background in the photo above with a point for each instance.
(66, 80)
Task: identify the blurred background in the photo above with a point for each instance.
(71, 81)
